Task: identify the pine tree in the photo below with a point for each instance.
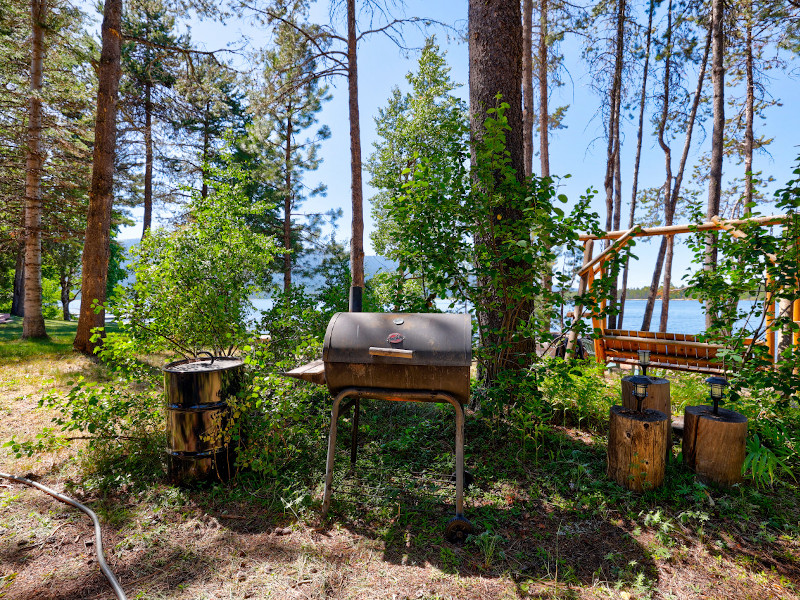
(149, 70)
(283, 109)
(427, 121)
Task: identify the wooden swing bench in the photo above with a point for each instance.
(676, 351)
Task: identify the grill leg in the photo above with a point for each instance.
(459, 458)
(326, 500)
(354, 434)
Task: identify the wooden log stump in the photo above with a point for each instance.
(714, 446)
(637, 448)
(658, 398)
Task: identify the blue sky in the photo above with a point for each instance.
(578, 150)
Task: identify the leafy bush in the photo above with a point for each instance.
(121, 419)
(193, 285)
(765, 266)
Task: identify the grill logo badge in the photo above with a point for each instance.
(395, 338)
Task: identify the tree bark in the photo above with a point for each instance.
(33, 321)
(495, 57)
(717, 140)
(637, 447)
(527, 84)
(658, 398)
(18, 296)
(714, 446)
(65, 281)
(357, 227)
(639, 136)
(544, 115)
(287, 206)
(148, 157)
(662, 125)
(206, 148)
(495, 66)
(96, 248)
(748, 113)
(676, 187)
(613, 192)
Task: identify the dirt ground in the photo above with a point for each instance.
(169, 543)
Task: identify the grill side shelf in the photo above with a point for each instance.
(313, 372)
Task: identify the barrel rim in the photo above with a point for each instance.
(170, 367)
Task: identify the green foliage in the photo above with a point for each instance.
(577, 392)
(51, 297)
(488, 239)
(193, 285)
(278, 423)
(763, 265)
(490, 546)
(763, 462)
(122, 419)
(284, 139)
(396, 291)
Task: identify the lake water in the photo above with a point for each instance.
(685, 316)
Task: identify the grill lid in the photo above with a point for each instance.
(407, 338)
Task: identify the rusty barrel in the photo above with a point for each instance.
(197, 393)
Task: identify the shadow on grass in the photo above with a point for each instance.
(538, 543)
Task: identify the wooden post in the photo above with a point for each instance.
(714, 445)
(588, 245)
(658, 398)
(637, 448)
(769, 309)
(796, 319)
(598, 322)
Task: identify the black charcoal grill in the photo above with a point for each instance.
(396, 357)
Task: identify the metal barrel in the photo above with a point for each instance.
(197, 393)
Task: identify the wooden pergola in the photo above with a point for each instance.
(668, 350)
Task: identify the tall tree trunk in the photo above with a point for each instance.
(527, 84)
(748, 113)
(667, 284)
(495, 66)
(148, 157)
(287, 207)
(18, 295)
(206, 147)
(544, 115)
(639, 136)
(33, 321)
(357, 227)
(676, 187)
(65, 281)
(613, 192)
(717, 140)
(667, 189)
(612, 319)
(96, 247)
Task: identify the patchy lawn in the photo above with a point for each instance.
(549, 523)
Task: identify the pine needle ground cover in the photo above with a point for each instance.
(549, 523)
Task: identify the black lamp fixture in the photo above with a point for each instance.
(717, 387)
(644, 360)
(640, 383)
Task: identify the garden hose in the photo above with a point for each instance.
(101, 559)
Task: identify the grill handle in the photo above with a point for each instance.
(392, 352)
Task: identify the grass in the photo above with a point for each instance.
(14, 349)
(549, 524)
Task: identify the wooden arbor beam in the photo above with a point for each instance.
(687, 228)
